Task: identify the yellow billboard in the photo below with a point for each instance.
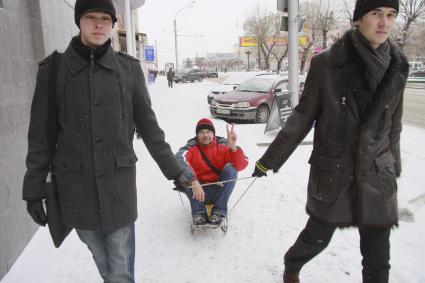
(248, 41)
(276, 41)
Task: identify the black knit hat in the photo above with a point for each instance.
(83, 7)
(205, 124)
(365, 6)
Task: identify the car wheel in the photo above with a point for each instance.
(262, 114)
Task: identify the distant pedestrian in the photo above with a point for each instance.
(170, 77)
(354, 92)
(101, 97)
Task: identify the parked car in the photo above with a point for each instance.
(415, 66)
(418, 76)
(190, 76)
(211, 73)
(230, 83)
(251, 100)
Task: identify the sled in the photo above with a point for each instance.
(223, 225)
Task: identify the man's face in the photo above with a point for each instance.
(95, 28)
(205, 137)
(377, 25)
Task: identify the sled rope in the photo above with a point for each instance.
(181, 199)
(220, 183)
(250, 185)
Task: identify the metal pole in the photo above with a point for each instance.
(128, 28)
(156, 54)
(133, 33)
(293, 50)
(175, 45)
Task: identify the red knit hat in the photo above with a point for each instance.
(203, 124)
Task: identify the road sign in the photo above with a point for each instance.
(281, 110)
(149, 53)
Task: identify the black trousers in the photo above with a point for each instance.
(374, 247)
(170, 83)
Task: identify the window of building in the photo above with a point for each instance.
(1, 4)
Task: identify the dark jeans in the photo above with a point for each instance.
(113, 252)
(170, 83)
(216, 194)
(374, 247)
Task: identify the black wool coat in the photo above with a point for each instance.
(99, 105)
(355, 158)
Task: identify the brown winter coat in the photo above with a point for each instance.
(354, 163)
(98, 108)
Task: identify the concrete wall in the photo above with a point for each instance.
(29, 30)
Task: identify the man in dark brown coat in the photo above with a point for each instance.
(101, 98)
(354, 92)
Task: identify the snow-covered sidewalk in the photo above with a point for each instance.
(262, 226)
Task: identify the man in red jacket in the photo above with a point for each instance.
(210, 159)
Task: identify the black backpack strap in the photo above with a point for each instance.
(51, 103)
(208, 161)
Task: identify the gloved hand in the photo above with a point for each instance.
(35, 208)
(260, 170)
(182, 182)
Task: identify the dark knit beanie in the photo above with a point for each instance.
(365, 6)
(83, 7)
(205, 124)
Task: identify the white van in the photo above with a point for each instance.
(415, 66)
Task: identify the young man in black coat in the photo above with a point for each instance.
(354, 92)
(100, 99)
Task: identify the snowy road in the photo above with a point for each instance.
(262, 226)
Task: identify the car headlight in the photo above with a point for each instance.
(242, 105)
(213, 102)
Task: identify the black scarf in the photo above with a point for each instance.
(376, 61)
(85, 51)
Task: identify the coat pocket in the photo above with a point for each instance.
(126, 174)
(68, 176)
(386, 175)
(67, 164)
(325, 178)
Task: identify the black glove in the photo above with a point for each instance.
(182, 182)
(36, 209)
(260, 170)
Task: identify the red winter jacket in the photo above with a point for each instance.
(217, 152)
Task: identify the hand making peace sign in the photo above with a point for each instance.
(231, 136)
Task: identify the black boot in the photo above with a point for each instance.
(291, 277)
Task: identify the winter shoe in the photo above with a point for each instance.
(200, 218)
(289, 277)
(216, 218)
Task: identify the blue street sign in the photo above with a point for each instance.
(149, 53)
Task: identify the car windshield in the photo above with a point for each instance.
(256, 85)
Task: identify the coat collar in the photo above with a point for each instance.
(347, 64)
(75, 63)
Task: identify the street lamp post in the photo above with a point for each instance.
(156, 48)
(187, 6)
(248, 52)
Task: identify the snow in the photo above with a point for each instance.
(263, 225)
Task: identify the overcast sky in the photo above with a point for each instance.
(210, 26)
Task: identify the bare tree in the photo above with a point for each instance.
(327, 15)
(410, 11)
(273, 44)
(309, 12)
(258, 25)
(348, 8)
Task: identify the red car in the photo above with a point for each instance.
(251, 100)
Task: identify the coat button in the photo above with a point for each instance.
(98, 140)
(96, 103)
(100, 174)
